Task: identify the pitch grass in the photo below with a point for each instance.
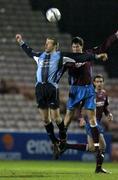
(54, 170)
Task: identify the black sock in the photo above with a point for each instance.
(66, 129)
(99, 159)
(50, 130)
(79, 147)
(62, 131)
(95, 135)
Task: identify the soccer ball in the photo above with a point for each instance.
(53, 15)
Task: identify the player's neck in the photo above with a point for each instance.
(98, 90)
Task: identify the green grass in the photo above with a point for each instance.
(54, 170)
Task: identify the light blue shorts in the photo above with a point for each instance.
(80, 93)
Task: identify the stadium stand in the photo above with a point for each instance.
(17, 105)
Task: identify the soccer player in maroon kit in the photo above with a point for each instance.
(80, 79)
(101, 107)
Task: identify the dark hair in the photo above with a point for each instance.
(98, 76)
(77, 40)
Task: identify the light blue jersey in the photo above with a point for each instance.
(48, 65)
(52, 67)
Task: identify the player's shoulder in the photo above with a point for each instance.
(42, 54)
(57, 54)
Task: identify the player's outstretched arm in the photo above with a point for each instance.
(29, 51)
(105, 45)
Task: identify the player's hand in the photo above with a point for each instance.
(102, 56)
(82, 122)
(110, 117)
(18, 38)
(116, 33)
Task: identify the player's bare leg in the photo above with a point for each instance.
(68, 117)
(91, 115)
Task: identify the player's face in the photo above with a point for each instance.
(99, 83)
(76, 48)
(49, 45)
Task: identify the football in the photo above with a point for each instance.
(53, 15)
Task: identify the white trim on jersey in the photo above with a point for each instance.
(36, 59)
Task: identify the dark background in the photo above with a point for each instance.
(93, 20)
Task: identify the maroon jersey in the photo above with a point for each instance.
(82, 75)
(101, 104)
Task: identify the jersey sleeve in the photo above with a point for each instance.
(104, 46)
(30, 52)
(65, 63)
(106, 110)
(80, 57)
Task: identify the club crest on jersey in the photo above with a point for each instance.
(78, 65)
(99, 104)
(45, 64)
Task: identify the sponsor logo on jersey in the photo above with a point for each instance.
(99, 104)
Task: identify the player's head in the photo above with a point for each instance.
(77, 44)
(98, 81)
(51, 44)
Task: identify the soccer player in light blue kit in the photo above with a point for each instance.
(46, 89)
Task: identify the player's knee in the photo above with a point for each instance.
(58, 120)
(92, 117)
(93, 121)
(67, 122)
(91, 148)
(47, 121)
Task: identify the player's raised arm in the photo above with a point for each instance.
(105, 45)
(83, 57)
(28, 50)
